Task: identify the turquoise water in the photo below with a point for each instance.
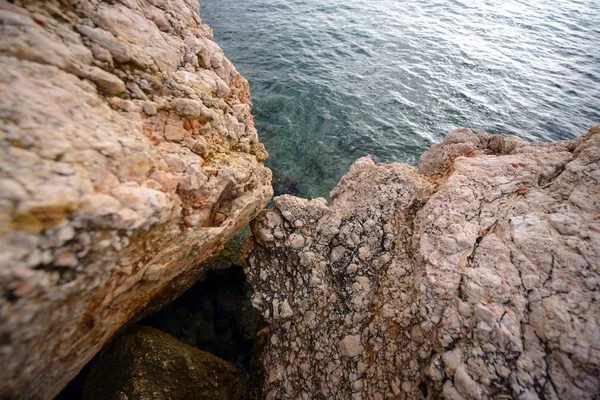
(333, 80)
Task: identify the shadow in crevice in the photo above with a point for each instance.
(214, 315)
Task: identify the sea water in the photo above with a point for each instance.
(333, 80)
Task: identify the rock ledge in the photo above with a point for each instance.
(475, 277)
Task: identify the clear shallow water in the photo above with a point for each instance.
(333, 80)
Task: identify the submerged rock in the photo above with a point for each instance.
(478, 277)
(128, 156)
(146, 363)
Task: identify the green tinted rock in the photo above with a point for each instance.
(148, 364)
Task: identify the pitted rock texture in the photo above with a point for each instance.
(477, 278)
(128, 155)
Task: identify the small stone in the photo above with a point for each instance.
(485, 314)
(65, 234)
(154, 272)
(466, 385)
(22, 272)
(364, 253)
(361, 367)
(200, 145)
(64, 169)
(263, 274)
(100, 53)
(465, 309)
(286, 310)
(24, 288)
(352, 268)
(191, 108)
(149, 109)
(350, 346)
(273, 375)
(65, 259)
(265, 235)
(105, 82)
(395, 388)
(502, 370)
(296, 241)
(11, 189)
(174, 133)
(193, 220)
(307, 258)
(452, 360)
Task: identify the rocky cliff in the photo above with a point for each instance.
(476, 276)
(128, 155)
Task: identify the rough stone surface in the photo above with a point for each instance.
(128, 155)
(350, 346)
(146, 363)
(477, 278)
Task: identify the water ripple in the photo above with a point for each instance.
(333, 80)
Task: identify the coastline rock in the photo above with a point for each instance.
(146, 363)
(129, 156)
(477, 278)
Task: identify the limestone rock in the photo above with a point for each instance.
(350, 346)
(146, 363)
(477, 278)
(128, 155)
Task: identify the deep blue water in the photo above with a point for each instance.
(333, 80)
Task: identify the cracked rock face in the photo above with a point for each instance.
(128, 155)
(476, 277)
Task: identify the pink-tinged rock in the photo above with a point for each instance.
(350, 346)
(101, 102)
(489, 288)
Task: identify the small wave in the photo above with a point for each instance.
(333, 79)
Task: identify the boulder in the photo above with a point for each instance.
(128, 156)
(475, 277)
(146, 363)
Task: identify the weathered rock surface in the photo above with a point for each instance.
(478, 277)
(146, 363)
(128, 155)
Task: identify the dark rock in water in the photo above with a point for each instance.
(146, 363)
(289, 184)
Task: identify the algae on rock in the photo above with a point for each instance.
(146, 363)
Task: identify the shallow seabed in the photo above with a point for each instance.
(333, 80)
